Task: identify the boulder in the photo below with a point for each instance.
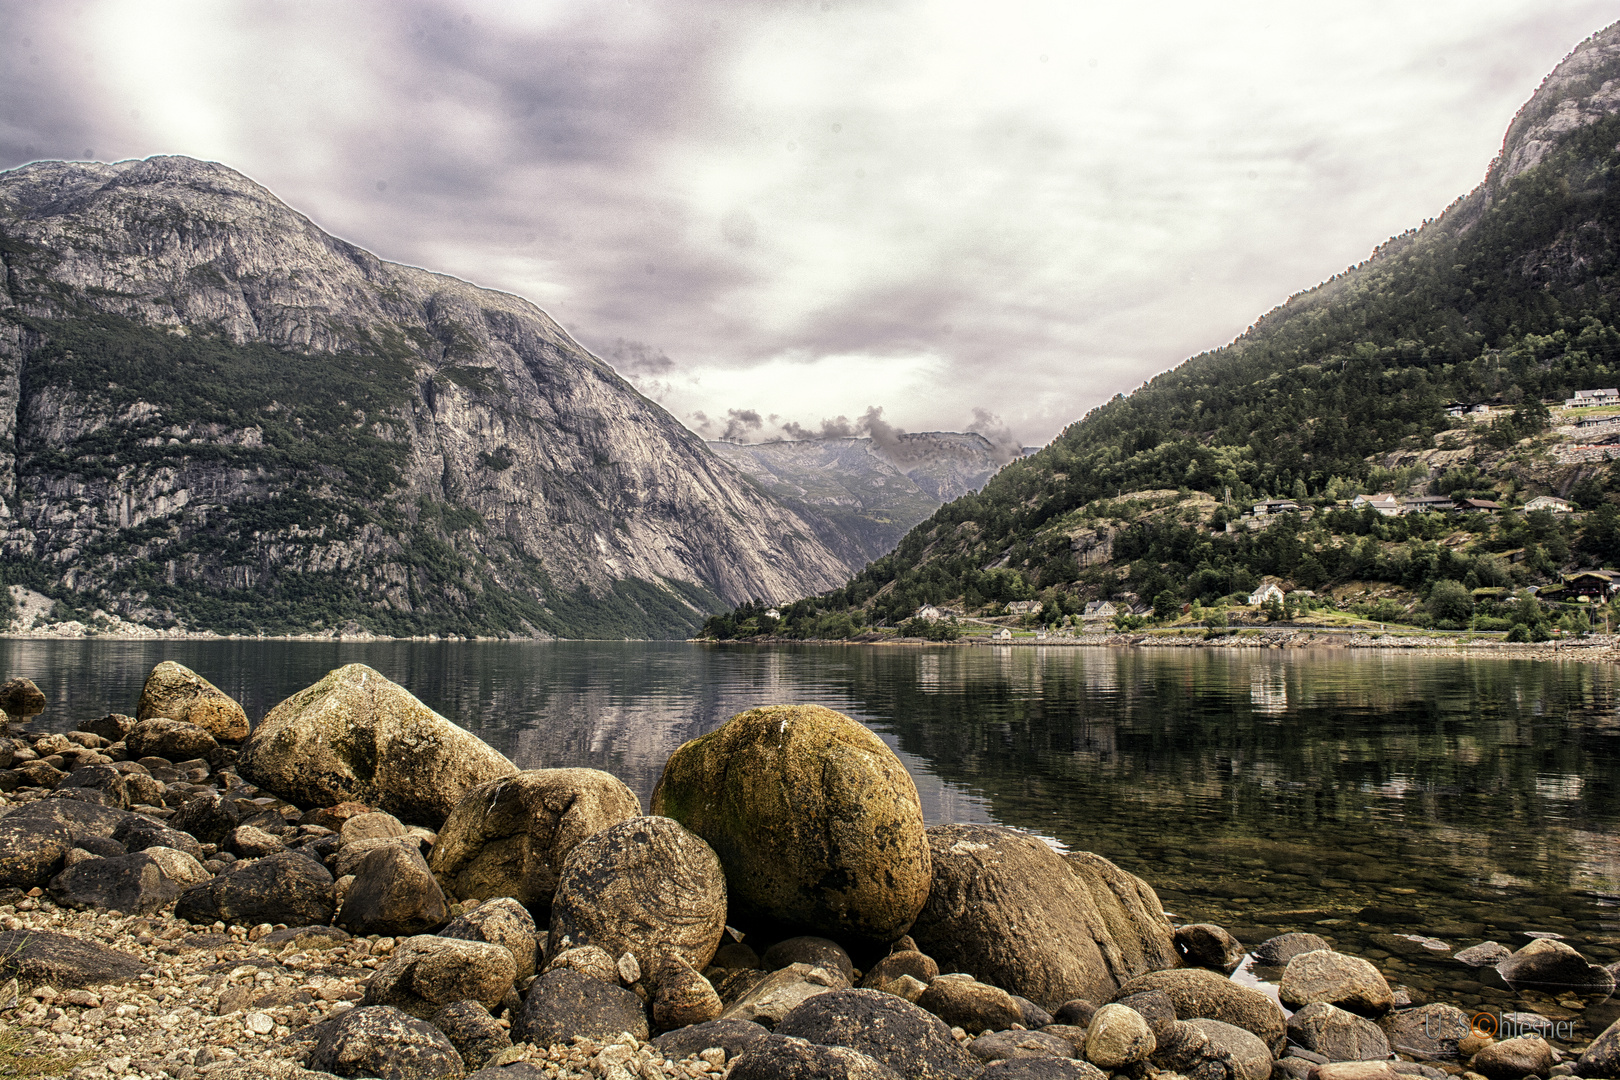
(732, 1036)
(112, 727)
(474, 1033)
(20, 699)
(1485, 954)
(394, 893)
(918, 965)
(1206, 945)
(1428, 1031)
(1010, 911)
(1599, 1060)
(103, 778)
(681, 995)
(1118, 1036)
(178, 693)
(816, 820)
(139, 833)
(588, 960)
(1513, 1059)
(964, 1002)
(1276, 952)
(896, 1033)
(998, 1045)
(357, 736)
(645, 886)
(735, 956)
(1548, 964)
(1201, 994)
(246, 842)
(286, 888)
(39, 774)
(563, 1004)
(167, 738)
(137, 884)
(1337, 1035)
(380, 1041)
(333, 817)
(32, 849)
(1032, 1015)
(1250, 1056)
(209, 817)
(794, 1059)
(503, 922)
(347, 859)
(773, 996)
(64, 961)
(509, 837)
(815, 951)
(144, 790)
(426, 973)
(1039, 1068)
(1337, 979)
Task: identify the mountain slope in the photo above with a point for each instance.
(211, 411)
(866, 493)
(1510, 294)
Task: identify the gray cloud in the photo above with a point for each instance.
(811, 209)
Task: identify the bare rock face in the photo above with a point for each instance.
(646, 887)
(356, 735)
(1010, 911)
(326, 421)
(816, 821)
(177, 692)
(509, 837)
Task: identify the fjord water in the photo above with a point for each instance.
(1370, 797)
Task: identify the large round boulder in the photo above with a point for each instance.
(509, 837)
(1549, 964)
(816, 821)
(1201, 994)
(646, 886)
(1336, 979)
(378, 1040)
(356, 735)
(177, 692)
(887, 1029)
(1010, 911)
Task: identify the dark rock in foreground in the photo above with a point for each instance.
(37, 957)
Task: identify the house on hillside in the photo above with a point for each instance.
(1275, 506)
(1586, 398)
(1264, 594)
(930, 613)
(1444, 504)
(1098, 610)
(1478, 506)
(1023, 607)
(773, 614)
(1384, 502)
(1548, 502)
(1003, 634)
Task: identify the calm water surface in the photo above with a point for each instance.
(1360, 795)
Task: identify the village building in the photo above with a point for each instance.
(1003, 634)
(1482, 506)
(1440, 503)
(1597, 585)
(1275, 506)
(1384, 502)
(1549, 502)
(1587, 398)
(930, 613)
(1264, 594)
(1098, 610)
(1023, 607)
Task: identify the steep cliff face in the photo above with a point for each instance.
(212, 411)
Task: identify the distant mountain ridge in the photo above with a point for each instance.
(214, 414)
(868, 491)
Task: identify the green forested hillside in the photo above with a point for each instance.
(1510, 295)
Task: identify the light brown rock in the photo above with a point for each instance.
(177, 692)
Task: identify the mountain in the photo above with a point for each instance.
(867, 493)
(214, 414)
(1509, 296)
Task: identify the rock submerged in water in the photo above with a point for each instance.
(1548, 964)
(357, 736)
(817, 822)
(509, 837)
(1010, 911)
(175, 691)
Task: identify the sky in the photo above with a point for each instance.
(792, 217)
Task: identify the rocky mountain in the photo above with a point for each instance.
(867, 493)
(1510, 298)
(213, 413)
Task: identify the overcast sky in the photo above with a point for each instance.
(964, 214)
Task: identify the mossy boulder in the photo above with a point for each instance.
(356, 735)
(509, 837)
(815, 820)
(177, 692)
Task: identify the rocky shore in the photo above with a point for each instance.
(358, 888)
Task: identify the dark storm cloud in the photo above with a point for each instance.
(904, 212)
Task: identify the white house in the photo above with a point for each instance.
(1265, 593)
(1003, 634)
(1585, 398)
(1099, 609)
(773, 614)
(1548, 502)
(930, 613)
(1384, 502)
(1023, 607)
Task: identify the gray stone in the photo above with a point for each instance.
(286, 888)
(891, 967)
(394, 893)
(1428, 1030)
(1276, 952)
(137, 884)
(1031, 1015)
(472, 1031)
(45, 958)
(771, 997)
(1118, 1036)
(589, 960)
(504, 922)
(1337, 979)
(103, 778)
(1546, 964)
(209, 817)
(178, 693)
(1512, 1059)
(139, 833)
(815, 951)
(973, 1006)
(31, 849)
(645, 886)
(1602, 1058)
(795, 1059)
(172, 739)
(732, 1036)
(1199, 993)
(563, 1004)
(1039, 1068)
(1209, 946)
(1248, 1053)
(887, 1029)
(1337, 1035)
(426, 973)
(247, 842)
(1485, 954)
(996, 1045)
(374, 825)
(383, 1042)
(681, 995)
